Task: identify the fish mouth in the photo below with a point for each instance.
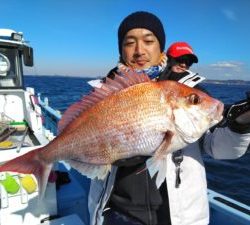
(216, 114)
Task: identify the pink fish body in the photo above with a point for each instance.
(126, 117)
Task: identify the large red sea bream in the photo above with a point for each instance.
(128, 116)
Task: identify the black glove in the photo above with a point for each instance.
(234, 111)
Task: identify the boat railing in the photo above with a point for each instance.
(50, 115)
(227, 211)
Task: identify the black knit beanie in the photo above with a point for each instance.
(141, 20)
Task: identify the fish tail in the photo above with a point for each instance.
(30, 163)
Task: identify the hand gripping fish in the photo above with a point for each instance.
(126, 117)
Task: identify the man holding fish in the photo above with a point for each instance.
(125, 133)
(129, 195)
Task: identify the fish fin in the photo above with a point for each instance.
(30, 163)
(90, 170)
(158, 162)
(120, 82)
(157, 166)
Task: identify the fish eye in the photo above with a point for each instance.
(194, 99)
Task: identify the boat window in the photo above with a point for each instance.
(9, 69)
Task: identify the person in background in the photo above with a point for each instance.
(126, 197)
(180, 57)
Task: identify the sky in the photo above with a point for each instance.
(79, 38)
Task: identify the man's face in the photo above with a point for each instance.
(141, 49)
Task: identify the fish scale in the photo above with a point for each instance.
(106, 131)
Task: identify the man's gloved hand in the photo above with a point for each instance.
(244, 118)
(238, 116)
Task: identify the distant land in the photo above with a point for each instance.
(229, 82)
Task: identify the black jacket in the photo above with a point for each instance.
(135, 194)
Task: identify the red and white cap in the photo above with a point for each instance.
(178, 49)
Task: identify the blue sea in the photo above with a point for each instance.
(229, 177)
